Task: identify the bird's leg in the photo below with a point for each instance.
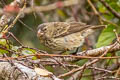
(76, 51)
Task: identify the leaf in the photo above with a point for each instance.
(106, 37)
(101, 8)
(42, 72)
(118, 53)
(3, 42)
(27, 51)
(61, 13)
(2, 51)
(81, 62)
(15, 48)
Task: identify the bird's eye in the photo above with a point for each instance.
(44, 29)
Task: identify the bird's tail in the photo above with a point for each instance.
(98, 26)
(89, 31)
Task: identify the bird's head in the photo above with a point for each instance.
(41, 30)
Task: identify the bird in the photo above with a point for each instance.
(64, 36)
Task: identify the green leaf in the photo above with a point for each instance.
(15, 48)
(101, 8)
(106, 37)
(118, 53)
(3, 42)
(61, 13)
(27, 51)
(2, 51)
(81, 62)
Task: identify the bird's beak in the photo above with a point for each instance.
(39, 33)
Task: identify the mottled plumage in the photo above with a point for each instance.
(62, 36)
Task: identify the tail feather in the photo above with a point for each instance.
(99, 26)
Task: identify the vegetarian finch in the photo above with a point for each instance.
(63, 36)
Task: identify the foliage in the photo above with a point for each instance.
(84, 13)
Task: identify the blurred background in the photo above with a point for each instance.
(93, 12)
(62, 10)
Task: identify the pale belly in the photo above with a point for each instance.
(68, 42)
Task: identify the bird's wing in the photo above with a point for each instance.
(70, 28)
(60, 28)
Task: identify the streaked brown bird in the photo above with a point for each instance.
(63, 36)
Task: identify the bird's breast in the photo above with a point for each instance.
(70, 41)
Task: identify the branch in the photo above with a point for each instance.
(87, 64)
(116, 14)
(21, 72)
(89, 54)
(10, 14)
(101, 50)
(59, 4)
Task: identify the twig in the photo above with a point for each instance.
(100, 69)
(15, 20)
(8, 16)
(48, 7)
(12, 35)
(82, 71)
(117, 73)
(94, 9)
(61, 56)
(99, 51)
(97, 13)
(6, 69)
(108, 77)
(118, 40)
(116, 14)
(26, 25)
(87, 64)
(53, 6)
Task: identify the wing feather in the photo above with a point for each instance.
(61, 29)
(74, 27)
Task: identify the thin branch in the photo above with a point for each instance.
(49, 7)
(6, 69)
(87, 64)
(99, 16)
(116, 14)
(15, 20)
(7, 17)
(98, 51)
